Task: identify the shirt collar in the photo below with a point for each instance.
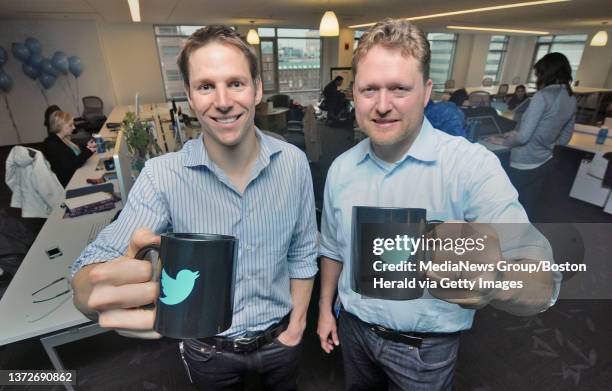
(198, 155)
(424, 148)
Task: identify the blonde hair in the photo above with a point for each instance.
(57, 121)
(395, 34)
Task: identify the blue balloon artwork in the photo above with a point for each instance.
(46, 66)
(6, 83)
(33, 45)
(46, 80)
(75, 66)
(20, 51)
(3, 56)
(30, 71)
(35, 60)
(60, 62)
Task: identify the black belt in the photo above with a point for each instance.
(414, 339)
(247, 344)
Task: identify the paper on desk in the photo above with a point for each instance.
(88, 199)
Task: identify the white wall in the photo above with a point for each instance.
(131, 56)
(518, 58)
(27, 103)
(478, 57)
(595, 65)
(461, 62)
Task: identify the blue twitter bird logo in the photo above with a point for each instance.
(177, 290)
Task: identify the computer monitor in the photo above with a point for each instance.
(137, 105)
(123, 166)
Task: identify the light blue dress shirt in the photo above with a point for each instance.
(274, 220)
(452, 179)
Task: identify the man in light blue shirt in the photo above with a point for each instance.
(405, 162)
(234, 180)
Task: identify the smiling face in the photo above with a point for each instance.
(390, 96)
(222, 93)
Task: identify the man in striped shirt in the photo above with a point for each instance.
(236, 181)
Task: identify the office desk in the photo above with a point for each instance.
(274, 120)
(158, 113)
(56, 321)
(582, 95)
(491, 89)
(583, 139)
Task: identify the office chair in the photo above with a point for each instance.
(480, 99)
(449, 84)
(502, 91)
(487, 82)
(280, 100)
(93, 113)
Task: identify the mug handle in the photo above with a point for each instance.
(141, 254)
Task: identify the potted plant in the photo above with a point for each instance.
(140, 140)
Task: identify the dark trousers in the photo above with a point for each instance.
(374, 363)
(530, 184)
(209, 369)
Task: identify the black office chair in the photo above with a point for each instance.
(280, 100)
(93, 113)
(487, 82)
(502, 91)
(480, 99)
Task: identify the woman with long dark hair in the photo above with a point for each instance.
(548, 121)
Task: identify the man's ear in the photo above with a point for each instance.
(428, 88)
(258, 90)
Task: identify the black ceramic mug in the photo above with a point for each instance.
(385, 264)
(197, 274)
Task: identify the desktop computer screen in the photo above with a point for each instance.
(123, 166)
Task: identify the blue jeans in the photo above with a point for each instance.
(208, 369)
(374, 363)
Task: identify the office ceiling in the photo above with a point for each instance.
(575, 15)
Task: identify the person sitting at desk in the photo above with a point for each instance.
(64, 156)
(334, 99)
(519, 96)
(548, 121)
(446, 116)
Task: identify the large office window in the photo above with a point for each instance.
(496, 56)
(170, 40)
(358, 35)
(571, 46)
(442, 55)
(290, 62)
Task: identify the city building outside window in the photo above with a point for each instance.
(290, 62)
(170, 40)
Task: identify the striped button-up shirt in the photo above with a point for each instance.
(274, 220)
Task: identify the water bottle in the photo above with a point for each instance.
(601, 136)
(100, 146)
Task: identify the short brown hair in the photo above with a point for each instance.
(215, 33)
(57, 121)
(395, 34)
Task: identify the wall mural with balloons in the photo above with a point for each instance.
(46, 72)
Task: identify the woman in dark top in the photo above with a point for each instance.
(519, 96)
(64, 156)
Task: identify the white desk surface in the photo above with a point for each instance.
(589, 90)
(16, 308)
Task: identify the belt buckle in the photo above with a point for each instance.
(242, 344)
